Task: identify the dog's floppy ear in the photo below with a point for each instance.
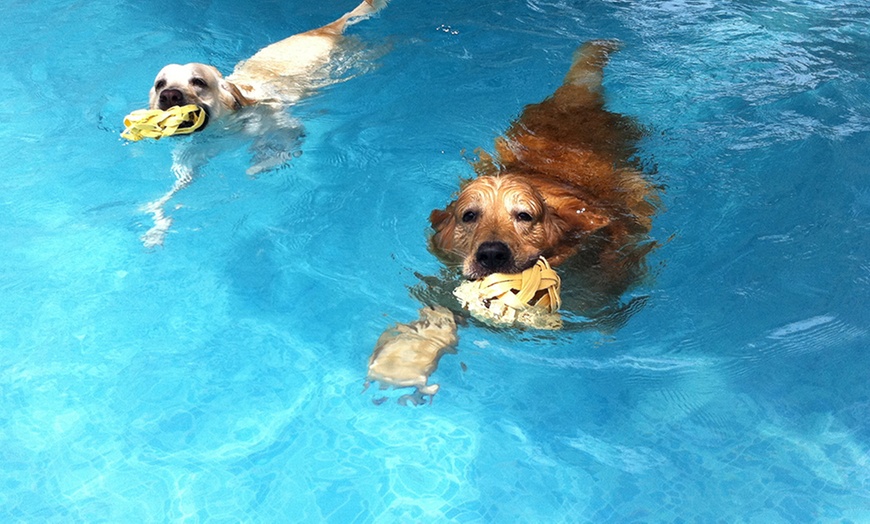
(237, 100)
(572, 212)
(444, 224)
(578, 215)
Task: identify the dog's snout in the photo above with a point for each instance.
(493, 256)
(170, 98)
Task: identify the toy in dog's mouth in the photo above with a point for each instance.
(156, 123)
(527, 299)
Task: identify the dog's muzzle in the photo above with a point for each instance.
(170, 98)
(493, 256)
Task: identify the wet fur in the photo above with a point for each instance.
(562, 184)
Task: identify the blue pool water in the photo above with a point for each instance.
(218, 378)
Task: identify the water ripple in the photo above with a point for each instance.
(813, 334)
(660, 364)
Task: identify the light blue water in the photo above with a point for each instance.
(218, 378)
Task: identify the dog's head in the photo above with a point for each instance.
(198, 84)
(503, 223)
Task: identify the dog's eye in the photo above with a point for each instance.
(160, 84)
(522, 216)
(469, 216)
(198, 82)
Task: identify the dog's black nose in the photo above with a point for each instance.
(493, 256)
(170, 98)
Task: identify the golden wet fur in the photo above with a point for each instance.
(560, 185)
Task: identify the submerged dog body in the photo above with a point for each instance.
(561, 185)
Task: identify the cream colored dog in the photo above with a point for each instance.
(279, 74)
(264, 86)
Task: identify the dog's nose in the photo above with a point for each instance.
(493, 256)
(170, 98)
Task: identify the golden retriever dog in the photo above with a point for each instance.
(563, 185)
(253, 101)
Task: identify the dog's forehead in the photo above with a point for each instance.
(170, 70)
(187, 70)
(477, 191)
(204, 70)
(509, 190)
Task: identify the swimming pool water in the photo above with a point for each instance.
(218, 378)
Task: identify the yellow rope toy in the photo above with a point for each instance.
(154, 123)
(528, 299)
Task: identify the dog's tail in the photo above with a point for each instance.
(589, 61)
(366, 9)
(582, 84)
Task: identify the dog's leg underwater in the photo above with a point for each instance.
(187, 162)
(154, 237)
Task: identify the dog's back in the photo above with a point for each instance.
(286, 69)
(572, 138)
